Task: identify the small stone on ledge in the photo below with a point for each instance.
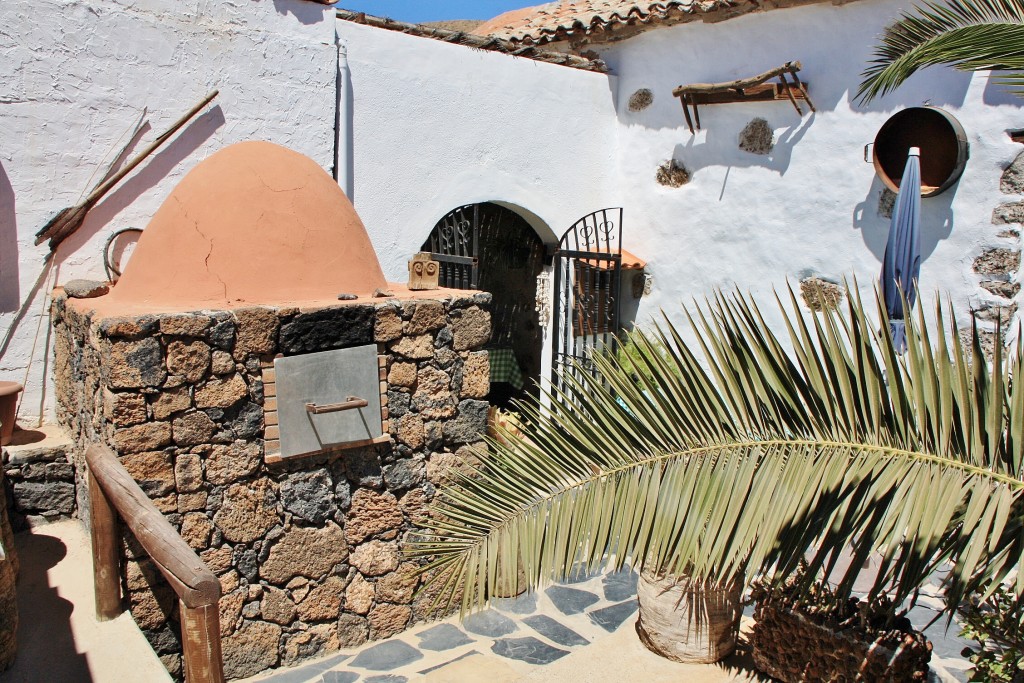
(382, 293)
(85, 289)
(347, 297)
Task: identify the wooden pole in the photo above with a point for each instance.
(68, 220)
(106, 564)
(803, 90)
(789, 93)
(200, 634)
(686, 112)
(190, 578)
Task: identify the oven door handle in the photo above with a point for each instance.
(349, 403)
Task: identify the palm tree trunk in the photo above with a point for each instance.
(688, 622)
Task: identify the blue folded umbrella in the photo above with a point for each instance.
(902, 263)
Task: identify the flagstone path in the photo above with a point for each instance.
(577, 631)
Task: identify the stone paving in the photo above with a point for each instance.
(521, 636)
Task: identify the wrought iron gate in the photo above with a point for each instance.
(587, 282)
(455, 243)
(476, 232)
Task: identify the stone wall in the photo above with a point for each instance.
(40, 478)
(309, 551)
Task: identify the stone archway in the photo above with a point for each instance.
(491, 247)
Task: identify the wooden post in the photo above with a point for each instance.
(105, 552)
(200, 633)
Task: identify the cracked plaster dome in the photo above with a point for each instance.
(255, 223)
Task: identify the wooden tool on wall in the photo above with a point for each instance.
(753, 89)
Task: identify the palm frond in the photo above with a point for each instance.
(742, 453)
(970, 35)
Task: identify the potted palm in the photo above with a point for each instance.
(739, 455)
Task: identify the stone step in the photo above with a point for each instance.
(40, 476)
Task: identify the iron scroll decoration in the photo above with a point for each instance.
(588, 278)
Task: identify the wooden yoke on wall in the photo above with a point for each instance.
(753, 89)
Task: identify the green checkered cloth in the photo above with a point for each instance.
(505, 367)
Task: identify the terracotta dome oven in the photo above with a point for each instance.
(941, 139)
(253, 378)
(253, 224)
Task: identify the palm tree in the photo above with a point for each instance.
(740, 454)
(970, 35)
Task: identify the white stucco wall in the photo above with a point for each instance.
(75, 74)
(437, 126)
(810, 207)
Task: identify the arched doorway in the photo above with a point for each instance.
(493, 249)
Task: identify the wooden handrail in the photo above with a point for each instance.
(115, 495)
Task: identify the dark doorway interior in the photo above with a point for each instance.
(493, 249)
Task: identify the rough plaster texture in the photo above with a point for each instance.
(76, 74)
(809, 207)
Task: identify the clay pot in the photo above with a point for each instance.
(8, 409)
(688, 622)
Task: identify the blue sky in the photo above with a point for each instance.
(417, 11)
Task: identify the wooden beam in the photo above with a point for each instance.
(106, 560)
(765, 92)
(200, 635)
(740, 84)
(195, 584)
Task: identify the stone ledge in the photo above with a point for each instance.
(49, 443)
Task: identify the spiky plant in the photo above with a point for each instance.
(970, 35)
(745, 452)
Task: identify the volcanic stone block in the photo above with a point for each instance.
(221, 392)
(387, 620)
(404, 474)
(191, 360)
(52, 496)
(375, 558)
(757, 137)
(129, 328)
(125, 409)
(226, 464)
(402, 375)
(257, 330)
(305, 552)
(997, 262)
(1012, 181)
(470, 425)
(171, 401)
(153, 471)
(476, 377)
(185, 325)
(193, 429)
(359, 595)
(353, 630)
(324, 601)
(330, 328)
(247, 512)
(398, 587)
(388, 325)
(135, 364)
(308, 495)
(143, 437)
(1008, 213)
(371, 513)
(417, 348)
(472, 329)
(427, 317)
(253, 648)
(277, 607)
